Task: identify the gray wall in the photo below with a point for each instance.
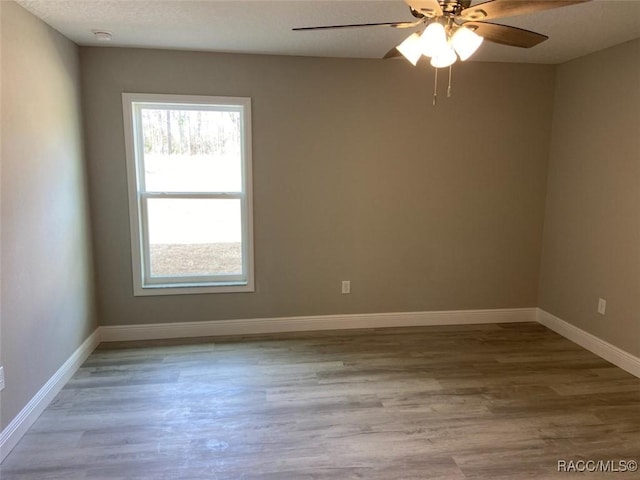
(47, 301)
(356, 176)
(592, 227)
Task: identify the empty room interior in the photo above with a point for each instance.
(238, 243)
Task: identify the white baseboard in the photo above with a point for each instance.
(603, 349)
(323, 322)
(12, 434)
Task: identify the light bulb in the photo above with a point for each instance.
(410, 48)
(434, 40)
(466, 42)
(444, 58)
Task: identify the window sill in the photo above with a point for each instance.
(192, 289)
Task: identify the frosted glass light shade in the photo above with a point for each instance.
(434, 40)
(444, 58)
(411, 48)
(466, 42)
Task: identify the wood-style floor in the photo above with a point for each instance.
(458, 402)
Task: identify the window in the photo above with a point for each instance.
(189, 174)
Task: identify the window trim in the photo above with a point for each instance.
(138, 197)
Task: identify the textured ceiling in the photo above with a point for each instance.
(265, 26)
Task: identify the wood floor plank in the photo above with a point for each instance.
(486, 402)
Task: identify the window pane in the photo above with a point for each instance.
(192, 150)
(190, 237)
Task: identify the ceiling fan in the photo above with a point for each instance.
(455, 28)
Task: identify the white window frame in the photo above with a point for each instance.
(143, 283)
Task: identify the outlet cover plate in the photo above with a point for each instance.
(602, 306)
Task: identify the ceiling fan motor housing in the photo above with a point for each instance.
(450, 8)
(453, 7)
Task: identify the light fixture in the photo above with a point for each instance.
(411, 48)
(465, 42)
(444, 57)
(102, 35)
(434, 40)
(441, 43)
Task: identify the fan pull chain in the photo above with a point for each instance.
(435, 88)
(449, 87)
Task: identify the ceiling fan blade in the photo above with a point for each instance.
(393, 53)
(428, 8)
(357, 25)
(505, 35)
(510, 8)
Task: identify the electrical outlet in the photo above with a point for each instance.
(346, 286)
(1, 378)
(602, 306)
